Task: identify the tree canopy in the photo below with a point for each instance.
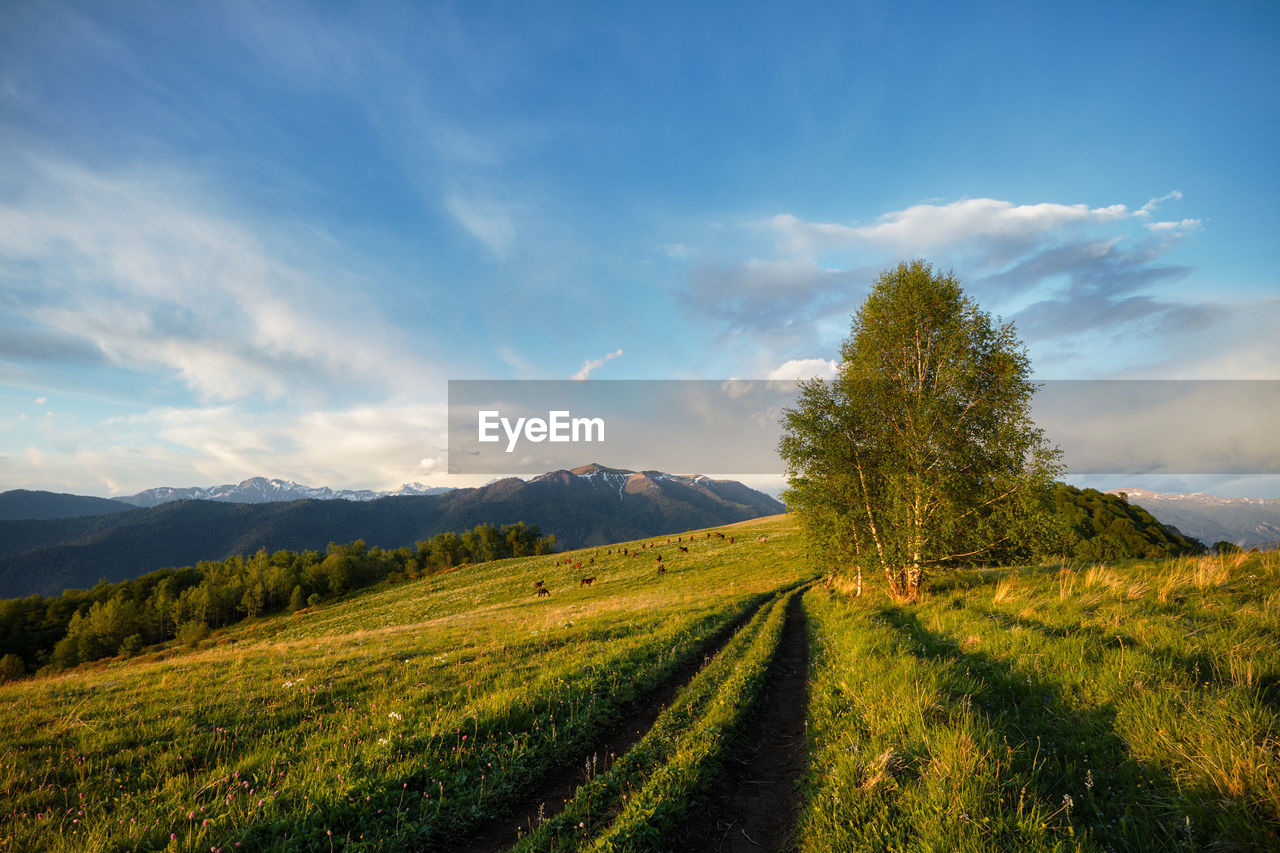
(921, 453)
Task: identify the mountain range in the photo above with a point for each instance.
(591, 505)
(1248, 522)
(262, 490)
(27, 504)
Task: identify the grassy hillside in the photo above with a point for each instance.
(48, 556)
(403, 717)
(1074, 706)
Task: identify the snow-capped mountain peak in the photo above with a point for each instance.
(263, 490)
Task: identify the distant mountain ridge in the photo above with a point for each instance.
(591, 505)
(263, 490)
(1248, 522)
(28, 504)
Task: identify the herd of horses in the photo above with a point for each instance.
(541, 590)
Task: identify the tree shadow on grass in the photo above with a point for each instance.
(1062, 754)
(1198, 668)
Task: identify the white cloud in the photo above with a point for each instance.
(591, 364)
(141, 268)
(927, 227)
(804, 368)
(1237, 342)
(1090, 297)
(1179, 225)
(370, 446)
(1150, 207)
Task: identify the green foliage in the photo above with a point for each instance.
(193, 632)
(85, 625)
(131, 646)
(11, 667)
(1093, 525)
(921, 454)
(1224, 547)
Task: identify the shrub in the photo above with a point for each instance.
(191, 633)
(11, 667)
(131, 645)
(66, 653)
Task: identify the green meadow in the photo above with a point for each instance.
(1129, 706)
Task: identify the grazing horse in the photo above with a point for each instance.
(683, 550)
(659, 558)
(662, 570)
(587, 581)
(537, 584)
(730, 540)
(542, 590)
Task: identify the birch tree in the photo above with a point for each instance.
(921, 454)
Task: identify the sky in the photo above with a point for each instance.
(243, 239)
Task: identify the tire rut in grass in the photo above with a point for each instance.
(559, 785)
(755, 802)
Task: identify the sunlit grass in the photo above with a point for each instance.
(1125, 707)
(1131, 706)
(399, 717)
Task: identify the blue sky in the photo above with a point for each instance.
(247, 239)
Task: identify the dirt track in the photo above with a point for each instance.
(559, 786)
(754, 804)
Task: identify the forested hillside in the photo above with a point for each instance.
(589, 506)
(120, 618)
(1100, 526)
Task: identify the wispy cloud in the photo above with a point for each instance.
(769, 297)
(804, 368)
(487, 221)
(1178, 225)
(366, 446)
(1151, 206)
(141, 271)
(1071, 276)
(992, 224)
(593, 363)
